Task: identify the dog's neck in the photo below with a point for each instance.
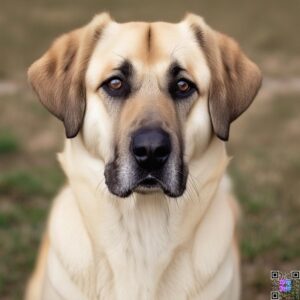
(147, 229)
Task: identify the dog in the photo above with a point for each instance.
(148, 211)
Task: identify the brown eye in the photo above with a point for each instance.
(115, 84)
(116, 87)
(183, 86)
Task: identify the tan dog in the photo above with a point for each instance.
(147, 212)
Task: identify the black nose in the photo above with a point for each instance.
(151, 148)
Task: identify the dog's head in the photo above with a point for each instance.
(147, 98)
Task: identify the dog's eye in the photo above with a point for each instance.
(116, 87)
(115, 84)
(182, 88)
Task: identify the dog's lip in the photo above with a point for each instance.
(149, 182)
(143, 187)
(157, 186)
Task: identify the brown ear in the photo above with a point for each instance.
(235, 79)
(234, 87)
(58, 77)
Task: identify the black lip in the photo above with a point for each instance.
(149, 182)
(156, 183)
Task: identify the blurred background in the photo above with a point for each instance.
(264, 141)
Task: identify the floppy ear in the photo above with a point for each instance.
(234, 88)
(235, 79)
(58, 77)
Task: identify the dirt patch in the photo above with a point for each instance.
(272, 86)
(8, 87)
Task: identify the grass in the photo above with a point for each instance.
(20, 183)
(8, 143)
(264, 142)
(21, 225)
(25, 200)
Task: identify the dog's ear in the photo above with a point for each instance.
(235, 87)
(235, 79)
(58, 77)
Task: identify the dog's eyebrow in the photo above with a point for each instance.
(175, 69)
(149, 36)
(126, 68)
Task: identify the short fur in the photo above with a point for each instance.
(149, 245)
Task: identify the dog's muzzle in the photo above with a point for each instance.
(151, 165)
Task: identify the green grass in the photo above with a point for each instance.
(21, 226)
(20, 183)
(8, 143)
(25, 199)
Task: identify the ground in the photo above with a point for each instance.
(264, 142)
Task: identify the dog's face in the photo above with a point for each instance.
(147, 97)
(145, 79)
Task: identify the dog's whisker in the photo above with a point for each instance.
(193, 182)
(99, 185)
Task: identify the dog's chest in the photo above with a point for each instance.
(138, 249)
(146, 252)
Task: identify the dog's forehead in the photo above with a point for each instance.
(146, 41)
(147, 46)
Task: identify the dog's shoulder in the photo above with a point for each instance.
(67, 232)
(227, 188)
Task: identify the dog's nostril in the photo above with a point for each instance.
(140, 151)
(162, 151)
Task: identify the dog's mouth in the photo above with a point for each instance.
(149, 184)
(152, 162)
(154, 182)
(123, 180)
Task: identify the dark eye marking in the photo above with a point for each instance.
(182, 88)
(125, 68)
(175, 69)
(118, 86)
(179, 86)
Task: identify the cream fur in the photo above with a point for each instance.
(143, 247)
